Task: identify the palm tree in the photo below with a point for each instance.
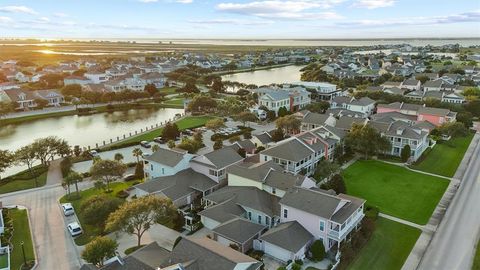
(118, 157)
(72, 179)
(155, 148)
(137, 152)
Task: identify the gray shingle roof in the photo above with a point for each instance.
(239, 230)
(250, 197)
(315, 118)
(434, 111)
(310, 201)
(223, 211)
(264, 138)
(348, 209)
(256, 172)
(178, 185)
(207, 254)
(290, 236)
(221, 158)
(292, 150)
(166, 157)
(346, 122)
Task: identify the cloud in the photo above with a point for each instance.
(473, 16)
(175, 1)
(294, 10)
(18, 9)
(4, 19)
(373, 4)
(60, 15)
(230, 21)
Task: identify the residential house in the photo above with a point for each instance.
(166, 162)
(435, 85)
(302, 152)
(53, 97)
(312, 120)
(322, 90)
(239, 233)
(436, 116)
(248, 202)
(400, 134)
(215, 163)
(287, 241)
(96, 77)
(412, 84)
(363, 105)
(73, 79)
(329, 218)
(263, 140)
(182, 188)
(452, 97)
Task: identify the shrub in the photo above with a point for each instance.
(405, 154)
(318, 250)
(299, 262)
(96, 209)
(372, 212)
(296, 266)
(122, 194)
(282, 268)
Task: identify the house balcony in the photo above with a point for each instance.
(340, 234)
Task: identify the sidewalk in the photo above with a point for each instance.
(406, 222)
(423, 241)
(54, 175)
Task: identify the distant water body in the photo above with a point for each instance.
(312, 42)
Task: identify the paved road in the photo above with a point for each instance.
(452, 247)
(55, 248)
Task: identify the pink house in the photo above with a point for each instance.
(436, 116)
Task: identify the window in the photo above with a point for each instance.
(322, 226)
(274, 190)
(285, 213)
(259, 219)
(212, 172)
(250, 215)
(163, 170)
(267, 221)
(151, 167)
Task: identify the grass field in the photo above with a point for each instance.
(23, 180)
(176, 102)
(388, 248)
(445, 157)
(185, 123)
(90, 232)
(21, 234)
(395, 190)
(168, 90)
(476, 259)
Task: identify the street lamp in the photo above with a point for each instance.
(23, 251)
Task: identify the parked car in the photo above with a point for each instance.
(93, 153)
(129, 177)
(145, 144)
(74, 229)
(159, 140)
(68, 209)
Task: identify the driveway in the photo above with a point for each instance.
(54, 246)
(165, 237)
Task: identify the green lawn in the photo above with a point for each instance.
(395, 190)
(445, 157)
(90, 232)
(388, 248)
(476, 259)
(22, 181)
(175, 102)
(185, 123)
(21, 233)
(168, 90)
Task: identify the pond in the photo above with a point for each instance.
(82, 130)
(280, 75)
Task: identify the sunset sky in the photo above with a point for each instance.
(239, 19)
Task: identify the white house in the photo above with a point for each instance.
(364, 105)
(96, 77)
(324, 91)
(214, 164)
(166, 162)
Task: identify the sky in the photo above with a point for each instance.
(231, 19)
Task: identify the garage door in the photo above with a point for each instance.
(224, 241)
(277, 252)
(209, 223)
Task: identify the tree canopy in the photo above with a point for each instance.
(365, 140)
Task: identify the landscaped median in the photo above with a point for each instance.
(182, 124)
(445, 157)
(19, 233)
(24, 180)
(395, 190)
(89, 231)
(388, 248)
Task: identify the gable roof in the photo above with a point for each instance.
(207, 254)
(178, 185)
(220, 158)
(239, 230)
(290, 149)
(291, 236)
(264, 138)
(310, 201)
(166, 157)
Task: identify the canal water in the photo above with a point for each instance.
(82, 130)
(280, 75)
